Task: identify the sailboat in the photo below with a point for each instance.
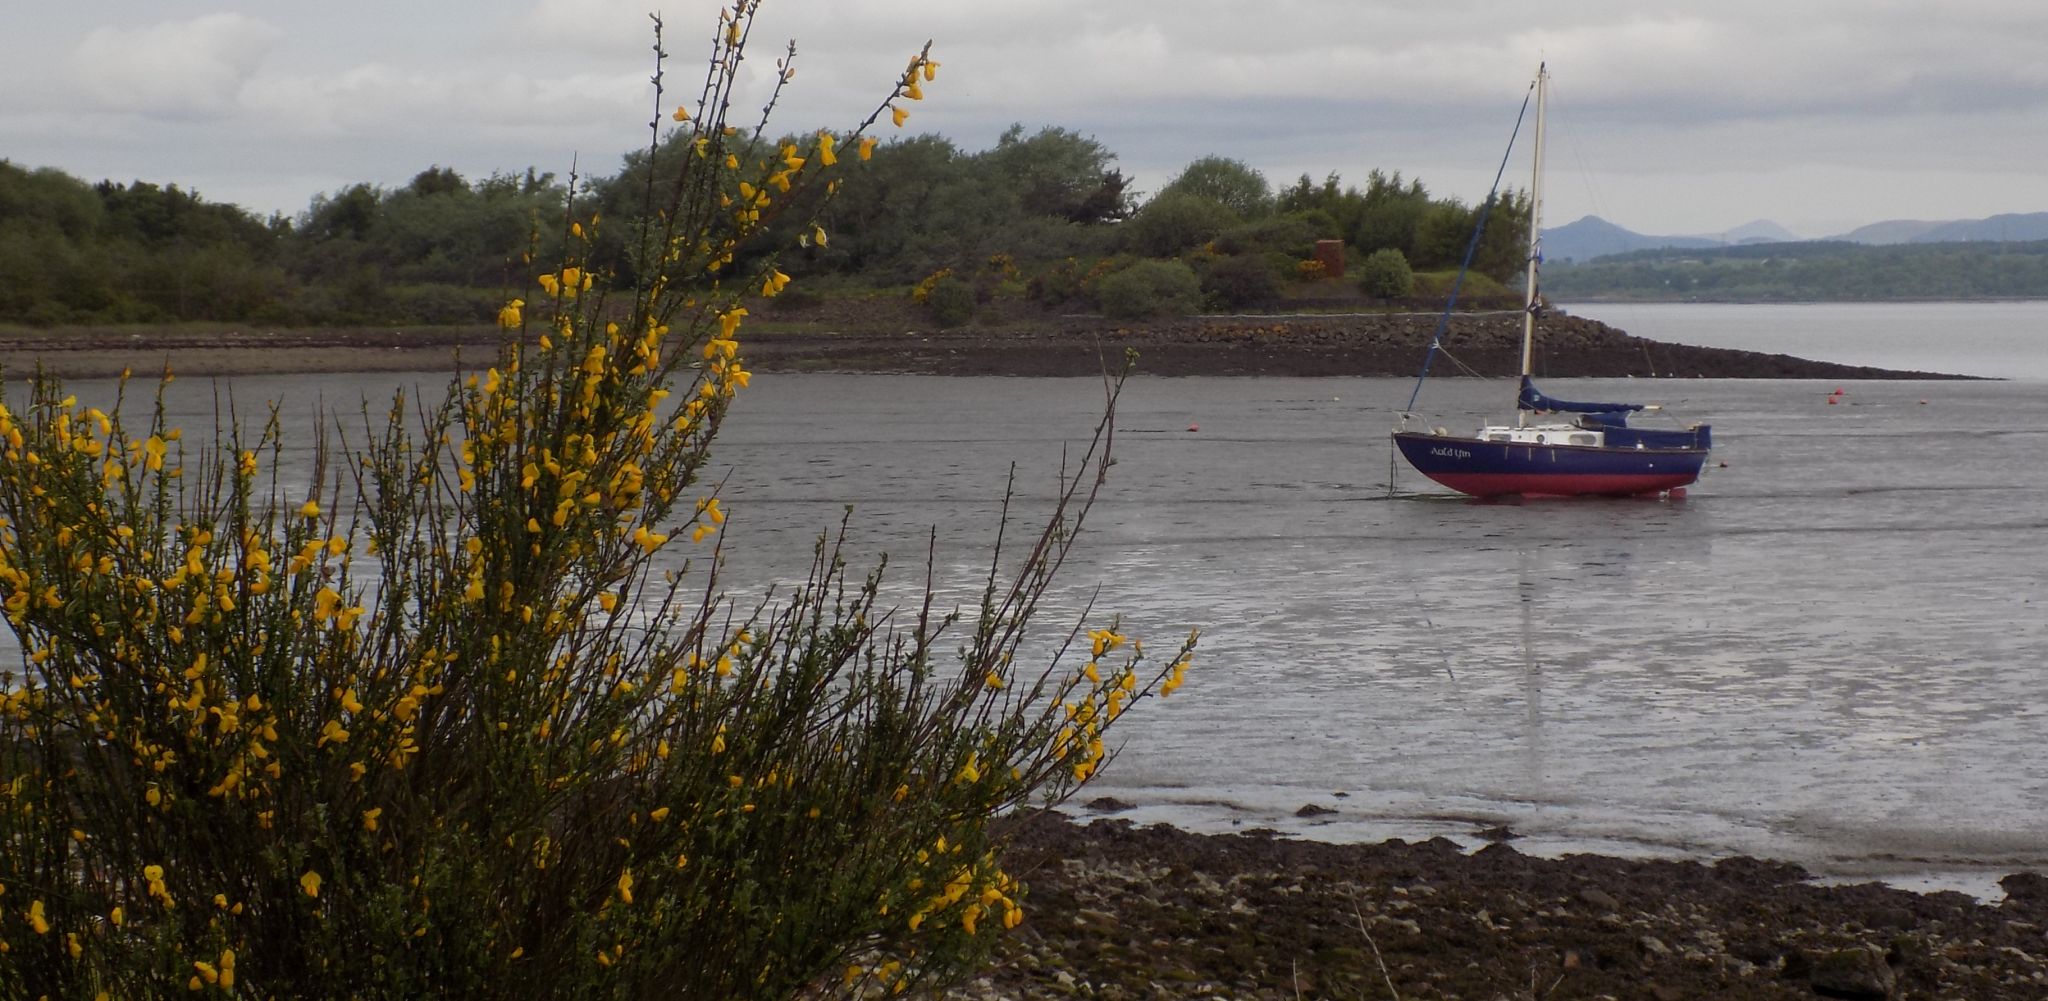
(1574, 448)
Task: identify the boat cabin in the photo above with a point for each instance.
(1544, 434)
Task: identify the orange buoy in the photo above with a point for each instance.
(1194, 427)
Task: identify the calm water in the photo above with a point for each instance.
(1835, 650)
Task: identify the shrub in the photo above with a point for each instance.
(1150, 288)
(1477, 288)
(951, 301)
(1289, 234)
(460, 717)
(1068, 280)
(1241, 281)
(1385, 274)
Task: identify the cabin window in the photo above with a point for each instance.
(1582, 439)
(1497, 436)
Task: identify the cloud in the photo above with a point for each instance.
(1734, 107)
(190, 69)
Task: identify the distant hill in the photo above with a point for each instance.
(2009, 227)
(1815, 271)
(1891, 231)
(1593, 237)
(1760, 231)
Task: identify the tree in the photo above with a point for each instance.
(1232, 184)
(437, 180)
(1058, 172)
(1385, 274)
(1174, 221)
(1389, 213)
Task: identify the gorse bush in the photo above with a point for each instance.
(463, 716)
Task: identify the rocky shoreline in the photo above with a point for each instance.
(1361, 344)
(1119, 911)
(1357, 344)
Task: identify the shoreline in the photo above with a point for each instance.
(1118, 910)
(1486, 344)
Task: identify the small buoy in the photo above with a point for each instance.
(1194, 427)
(1724, 464)
(1923, 403)
(1832, 400)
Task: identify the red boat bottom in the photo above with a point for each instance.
(1562, 484)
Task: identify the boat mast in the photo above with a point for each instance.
(1535, 234)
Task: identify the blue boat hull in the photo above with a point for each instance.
(1495, 469)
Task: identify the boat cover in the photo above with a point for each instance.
(1533, 399)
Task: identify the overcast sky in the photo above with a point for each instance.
(1668, 118)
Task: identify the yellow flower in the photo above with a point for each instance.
(867, 147)
(729, 322)
(626, 887)
(35, 918)
(898, 115)
(826, 141)
(510, 318)
(682, 114)
(931, 69)
(550, 283)
(310, 882)
(310, 509)
(370, 818)
(911, 90)
(774, 283)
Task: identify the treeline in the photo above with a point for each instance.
(1045, 217)
(1812, 271)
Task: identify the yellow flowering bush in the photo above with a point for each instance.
(462, 715)
(922, 291)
